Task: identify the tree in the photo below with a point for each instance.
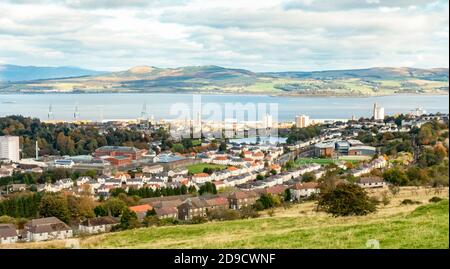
(347, 200)
(150, 213)
(259, 177)
(287, 195)
(208, 187)
(223, 146)
(128, 220)
(417, 175)
(308, 177)
(396, 176)
(289, 165)
(54, 205)
(114, 206)
(394, 189)
(268, 201)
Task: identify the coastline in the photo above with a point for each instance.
(230, 94)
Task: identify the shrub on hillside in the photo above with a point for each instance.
(410, 202)
(223, 214)
(248, 212)
(347, 200)
(435, 199)
(198, 220)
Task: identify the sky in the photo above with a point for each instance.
(259, 35)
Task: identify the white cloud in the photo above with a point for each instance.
(257, 35)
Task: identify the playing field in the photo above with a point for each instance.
(198, 168)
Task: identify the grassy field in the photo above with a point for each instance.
(198, 168)
(300, 226)
(301, 161)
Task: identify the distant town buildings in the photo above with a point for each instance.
(350, 147)
(114, 151)
(9, 148)
(418, 112)
(302, 121)
(378, 112)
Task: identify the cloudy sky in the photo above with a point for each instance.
(260, 35)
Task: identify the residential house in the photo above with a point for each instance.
(46, 229)
(371, 182)
(274, 190)
(192, 207)
(166, 212)
(154, 169)
(8, 233)
(141, 210)
(97, 225)
(304, 190)
(217, 202)
(201, 178)
(240, 199)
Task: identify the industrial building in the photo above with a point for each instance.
(9, 148)
(349, 147)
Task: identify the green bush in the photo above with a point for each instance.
(435, 199)
(223, 214)
(198, 220)
(347, 200)
(410, 202)
(248, 212)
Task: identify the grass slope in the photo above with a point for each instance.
(198, 168)
(300, 226)
(425, 227)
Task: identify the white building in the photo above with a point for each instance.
(378, 112)
(371, 182)
(303, 190)
(97, 225)
(8, 234)
(9, 148)
(418, 112)
(47, 229)
(302, 121)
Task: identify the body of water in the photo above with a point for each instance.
(131, 106)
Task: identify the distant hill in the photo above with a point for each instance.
(438, 74)
(25, 73)
(216, 79)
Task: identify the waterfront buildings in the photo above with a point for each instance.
(114, 151)
(9, 148)
(302, 121)
(378, 112)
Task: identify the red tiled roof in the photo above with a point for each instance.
(140, 208)
(306, 185)
(275, 166)
(274, 190)
(219, 201)
(201, 175)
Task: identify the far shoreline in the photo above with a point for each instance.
(226, 94)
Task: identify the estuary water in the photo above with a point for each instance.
(110, 106)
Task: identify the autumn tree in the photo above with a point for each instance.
(54, 205)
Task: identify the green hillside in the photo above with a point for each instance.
(216, 79)
(300, 226)
(425, 227)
